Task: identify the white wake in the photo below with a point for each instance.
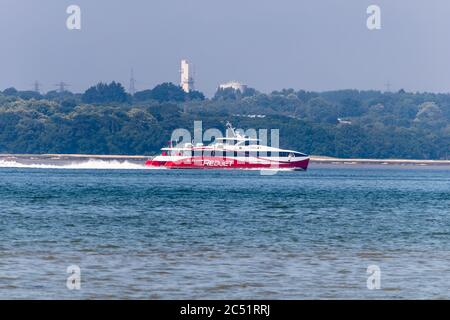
(89, 164)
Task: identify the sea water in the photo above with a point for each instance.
(162, 234)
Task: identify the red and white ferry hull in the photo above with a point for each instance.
(227, 163)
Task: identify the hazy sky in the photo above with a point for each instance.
(268, 44)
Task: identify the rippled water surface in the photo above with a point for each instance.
(151, 234)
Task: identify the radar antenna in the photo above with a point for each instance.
(230, 129)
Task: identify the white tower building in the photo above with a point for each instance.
(187, 76)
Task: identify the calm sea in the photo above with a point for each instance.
(157, 234)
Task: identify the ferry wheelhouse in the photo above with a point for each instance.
(235, 152)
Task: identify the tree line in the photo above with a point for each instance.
(344, 123)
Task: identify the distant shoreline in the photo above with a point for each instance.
(138, 158)
(331, 160)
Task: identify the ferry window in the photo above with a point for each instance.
(247, 154)
(275, 154)
(235, 154)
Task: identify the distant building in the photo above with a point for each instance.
(187, 76)
(234, 85)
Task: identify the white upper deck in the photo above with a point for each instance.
(236, 143)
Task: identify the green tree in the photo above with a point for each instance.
(105, 93)
(168, 92)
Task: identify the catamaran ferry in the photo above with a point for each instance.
(233, 152)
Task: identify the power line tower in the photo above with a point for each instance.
(62, 86)
(388, 87)
(37, 87)
(132, 88)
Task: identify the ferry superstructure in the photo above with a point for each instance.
(234, 152)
